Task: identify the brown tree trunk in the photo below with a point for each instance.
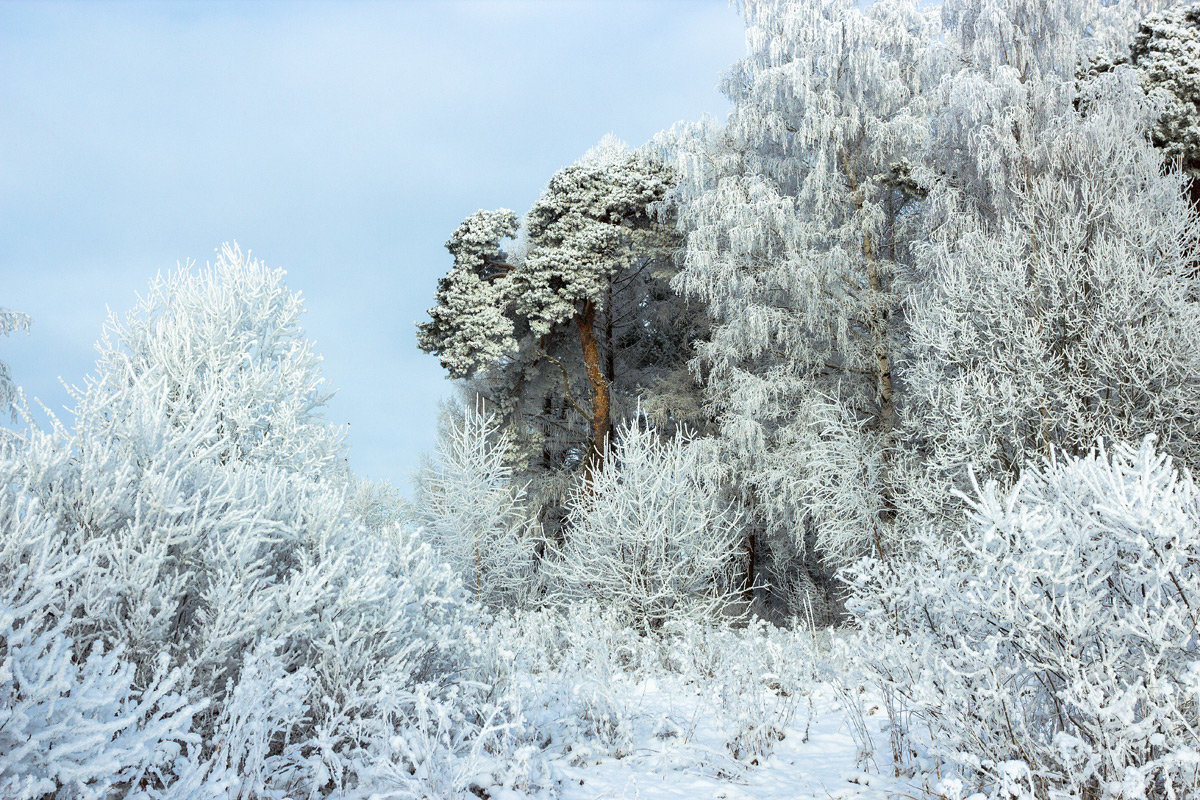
(601, 420)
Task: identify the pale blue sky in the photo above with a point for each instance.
(340, 141)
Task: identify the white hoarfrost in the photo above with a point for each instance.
(215, 573)
(1051, 651)
(649, 537)
(73, 717)
(1057, 297)
(466, 504)
(220, 353)
(799, 213)
(911, 252)
(9, 321)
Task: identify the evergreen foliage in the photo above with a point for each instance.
(571, 326)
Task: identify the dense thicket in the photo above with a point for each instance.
(920, 243)
(189, 609)
(1055, 301)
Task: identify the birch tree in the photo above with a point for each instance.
(798, 213)
(1055, 303)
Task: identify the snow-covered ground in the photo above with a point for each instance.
(681, 754)
(760, 712)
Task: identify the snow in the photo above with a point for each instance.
(696, 712)
(680, 753)
(198, 600)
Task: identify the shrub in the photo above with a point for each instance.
(72, 717)
(1051, 651)
(204, 495)
(648, 536)
(468, 507)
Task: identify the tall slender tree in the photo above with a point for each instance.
(799, 213)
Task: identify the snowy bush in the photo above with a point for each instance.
(73, 720)
(467, 505)
(9, 321)
(378, 505)
(648, 536)
(568, 671)
(1052, 650)
(205, 496)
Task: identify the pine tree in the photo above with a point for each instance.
(1166, 53)
(573, 324)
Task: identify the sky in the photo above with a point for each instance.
(340, 141)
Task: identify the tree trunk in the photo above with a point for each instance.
(751, 566)
(883, 358)
(601, 419)
(884, 389)
(610, 366)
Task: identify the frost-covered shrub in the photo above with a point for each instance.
(207, 495)
(220, 353)
(378, 505)
(9, 321)
(1052, 650)
(74, 722)
(756, 677)
(648, 536)
(467, 505)
(569, 671)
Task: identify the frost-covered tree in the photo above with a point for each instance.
(592, 226)
(201, 490)
(468, 505)
(9, 321)
(470, 326)
(1050, 650)
(799, 213)
(1166, 53)
(651, 539)
(564, 331)
(1055, 302)
(224, 346)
